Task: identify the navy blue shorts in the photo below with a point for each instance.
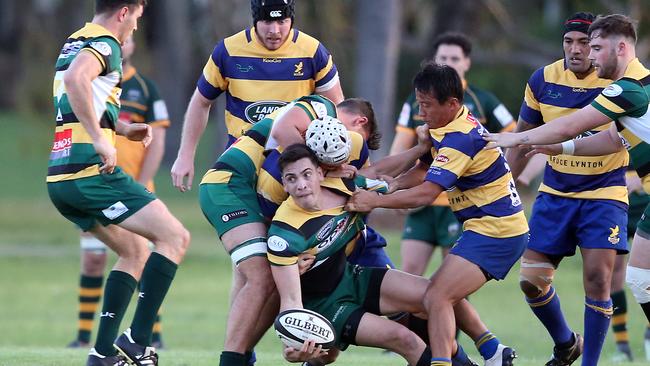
(559, 224)
(369, 251)
(495, 256)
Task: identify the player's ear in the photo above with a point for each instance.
(320, 174)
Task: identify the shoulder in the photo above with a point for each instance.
(304, 41)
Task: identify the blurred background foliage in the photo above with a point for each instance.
(377, 45)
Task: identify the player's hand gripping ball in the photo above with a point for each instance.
(294, 326)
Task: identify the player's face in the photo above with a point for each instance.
(452, 55)
(129, 16)
(353, 122)
(603, 55)
(273, 33)
(301, 180)
(127, 48)
(434, 113)
(576, 52)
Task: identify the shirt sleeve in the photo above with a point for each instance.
(451, 160)
(284, 244)
(107, 51)
(326, 73)
(530, 110)
(212, 81)
(625, 97)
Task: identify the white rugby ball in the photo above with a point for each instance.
(294, 326)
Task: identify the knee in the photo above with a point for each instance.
(404, 340)
(638, 279)
(93, 263)
(177, 242)
(535, 279)
(597, 284)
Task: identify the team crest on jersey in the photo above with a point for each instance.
(70, 49)
(612, 91)
(328, 234)
(256, 112)
(298, 69)
(102, 47)
(614, 237)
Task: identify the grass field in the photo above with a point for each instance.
(39, 264)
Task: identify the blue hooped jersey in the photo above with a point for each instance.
(257, 81)
(554, 91)
(479, 185)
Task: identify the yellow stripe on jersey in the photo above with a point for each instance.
(410, 131)
(585, 165)
(88, 172)
(481, 195)
(96, 54)
(606, 193)
(216, 176)
(213, 76)
(606, 103)
(458, 164)
(498, 227)
(281, 261)
(326, 69)
(529, 98)
(80, 135)
(287, 214)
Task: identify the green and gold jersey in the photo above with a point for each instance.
(326, 234)
(141, 103)
(73, 155)
(626, 102)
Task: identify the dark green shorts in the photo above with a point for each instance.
(104, 198)
(638, 204)
(357, 293)
(229, 205)
(436, 225)
(644, 223)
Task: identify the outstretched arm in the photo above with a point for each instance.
(423, 194)
(516, 156)
(558, 130)
(394, 165)
(603, 143)
(287, 281)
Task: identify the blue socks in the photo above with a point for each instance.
(548, 311)
(597, 317)
(487, 344)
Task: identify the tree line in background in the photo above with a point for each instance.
(377, 44)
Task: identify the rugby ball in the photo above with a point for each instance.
(294, 326)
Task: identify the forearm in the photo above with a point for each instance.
(153, 156)
(517, 160)
(412, 178)
(418, 196)
(603, 143)
(396, 164)
(335, 93)
(196, 119)
(287, 281)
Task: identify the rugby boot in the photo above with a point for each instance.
(96, 359)
(504, 356)
(77, 344)
(566, 356)
(134, 353)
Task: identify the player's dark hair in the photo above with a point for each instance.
(454, 38)
(294, 153)
(103, 6)
(440, 81)
(614, 25)
(364, 108)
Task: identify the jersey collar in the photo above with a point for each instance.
(128, 72)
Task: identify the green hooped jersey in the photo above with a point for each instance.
(626, 102)
(326, 234)
(73, 155)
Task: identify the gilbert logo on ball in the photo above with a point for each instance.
(295, 326)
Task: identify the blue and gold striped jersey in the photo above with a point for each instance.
(554, 91)
(258, 81)
(479, 185)
(269, 185)
(73, 155)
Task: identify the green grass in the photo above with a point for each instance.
(39, 266)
